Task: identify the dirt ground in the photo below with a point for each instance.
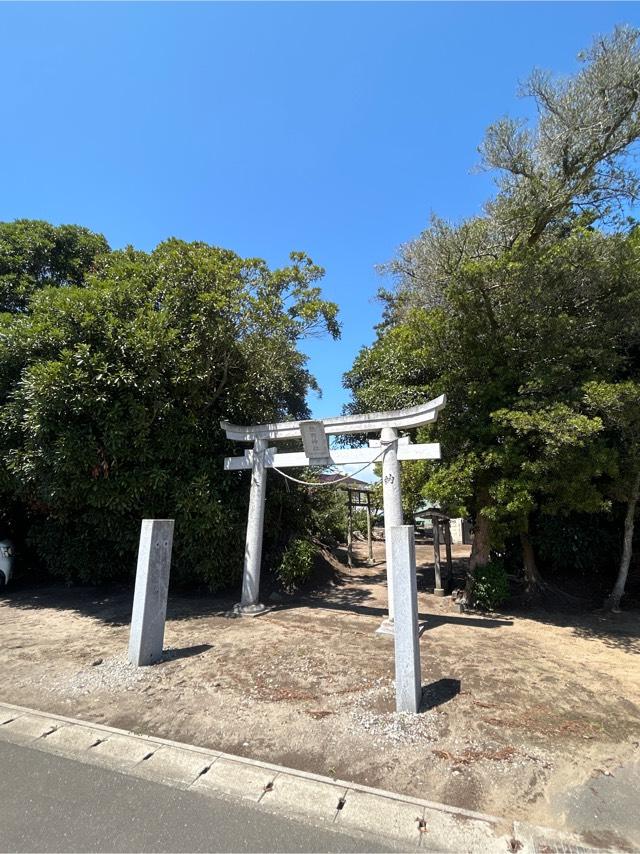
(518, 710)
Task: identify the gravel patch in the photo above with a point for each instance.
(113, 674)
(391, 727)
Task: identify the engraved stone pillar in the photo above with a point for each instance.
(405, 597)
(150, 596)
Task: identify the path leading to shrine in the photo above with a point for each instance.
(522, 716)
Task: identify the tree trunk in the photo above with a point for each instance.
(613, 601)
(481, 545)
(533, 580)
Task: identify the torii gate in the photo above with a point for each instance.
(317, 452)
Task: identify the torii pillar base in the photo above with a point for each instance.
(386, 627)
(255, 610)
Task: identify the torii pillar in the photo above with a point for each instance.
(250, 604)
(392, 501)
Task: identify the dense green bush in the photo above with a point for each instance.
(297, 563)
(490, 585)
(327, 514)
(113, 383)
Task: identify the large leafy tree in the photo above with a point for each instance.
(515, 433)
(510, 312)
(113, 392)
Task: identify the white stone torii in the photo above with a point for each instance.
(314, 433)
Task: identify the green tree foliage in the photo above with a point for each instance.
(579, 157)
(515, 435)
(619, 406)
(113, 388)
(513, 313)
(35, 255)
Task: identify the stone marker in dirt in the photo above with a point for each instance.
(150, 596)
(405, 597)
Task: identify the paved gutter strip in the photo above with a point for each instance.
(235, 778)
(542, 839)
(391, 818)
(293, 794)
(27, 727)
(122, 750)
(174, 766)
(412, 822)
(7, 715)
(72, 740)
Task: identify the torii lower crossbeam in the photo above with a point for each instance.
(341, 457)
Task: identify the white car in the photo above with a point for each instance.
(6, 561)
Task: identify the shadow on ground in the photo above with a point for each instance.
(429, 621)
(617, 631)
(346, 590)
(111, 604)
(172, 654)
(438, 693)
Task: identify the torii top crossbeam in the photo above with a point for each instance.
(412, 416)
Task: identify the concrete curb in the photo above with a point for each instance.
(409, 822)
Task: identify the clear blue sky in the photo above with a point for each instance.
(331, 128)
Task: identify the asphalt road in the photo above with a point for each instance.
(48, 803)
